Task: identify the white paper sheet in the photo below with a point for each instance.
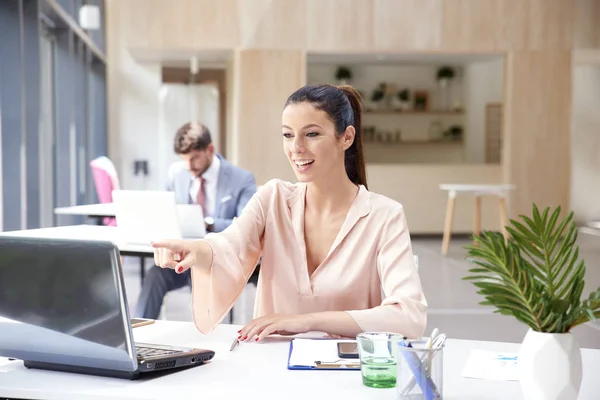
(306, 351)
(5, 361)
(491, 365)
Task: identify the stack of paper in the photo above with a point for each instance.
(305, 352)
(491, 365)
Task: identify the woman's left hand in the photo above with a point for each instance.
(281, 324)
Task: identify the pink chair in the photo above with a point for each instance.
(106, 180)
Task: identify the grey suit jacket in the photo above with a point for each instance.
(235, 187)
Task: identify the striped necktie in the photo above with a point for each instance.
(201, 197)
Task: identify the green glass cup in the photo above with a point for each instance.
(377, 352)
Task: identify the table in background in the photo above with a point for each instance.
(499, 190)
(95, 211)
(100, 233)
(92, 232)
(259, 371)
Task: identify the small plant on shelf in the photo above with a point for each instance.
(455, 132)
(445, 74)
(378, 96)
(402, 100)
(343, 75)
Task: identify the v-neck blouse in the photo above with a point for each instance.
(369, 271)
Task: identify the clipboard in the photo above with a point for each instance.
(329, 362)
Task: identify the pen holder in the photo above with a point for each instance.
(420, 372)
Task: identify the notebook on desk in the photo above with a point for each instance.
(319, 354)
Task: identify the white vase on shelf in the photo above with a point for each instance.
(444, 94)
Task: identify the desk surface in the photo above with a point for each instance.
(86, 232)
(258, 371)
(91, 210)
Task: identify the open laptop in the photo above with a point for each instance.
(144, 216)
(63, 307)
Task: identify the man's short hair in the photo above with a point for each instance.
(192, 136)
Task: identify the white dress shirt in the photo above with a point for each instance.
(211, 178)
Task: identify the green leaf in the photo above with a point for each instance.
(536, 275)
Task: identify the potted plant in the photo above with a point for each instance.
(343, 75)
(455, 132)
(402, 100)
(444, 75)
(378, 96)
(536, 276)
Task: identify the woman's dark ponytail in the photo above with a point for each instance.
(355, 156)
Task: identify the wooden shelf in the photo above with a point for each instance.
(417, 142)
(413, 112)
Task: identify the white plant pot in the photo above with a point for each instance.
(549, 366)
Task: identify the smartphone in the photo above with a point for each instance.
(347, 349)
(137, 322)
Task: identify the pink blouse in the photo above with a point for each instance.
(369, 271)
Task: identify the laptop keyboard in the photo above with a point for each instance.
(146, 352)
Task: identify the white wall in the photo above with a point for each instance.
(179, 104)
(484, 83)
(417, 188)
(134, 110)
(585, 144)
(138, 132)
(144, 120)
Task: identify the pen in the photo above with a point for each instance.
(337, 364)
(433, 336)
(235, 343)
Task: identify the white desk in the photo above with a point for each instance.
(92, 210)
(259, 371)
(95, 211)
(86, 232)
(94, 232)
(91, 232)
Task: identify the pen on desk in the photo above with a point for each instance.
(235, 343)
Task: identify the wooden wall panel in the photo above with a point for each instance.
(272, 24)
(339, 25)
(187, 24)
(505, 25)
(470, 25)
(361, 25)
(264, 79)
(537, 129)
(395, 28)
(550, 24)
(512, 25)
(587, 24)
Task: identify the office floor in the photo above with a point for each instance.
(453, 303)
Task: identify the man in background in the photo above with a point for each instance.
(205, 178)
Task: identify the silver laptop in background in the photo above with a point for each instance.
(63, 307)
(144, 216)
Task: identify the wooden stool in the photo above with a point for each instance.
(499, 190)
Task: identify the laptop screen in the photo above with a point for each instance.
(50, 286)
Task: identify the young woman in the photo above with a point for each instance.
(336, 258)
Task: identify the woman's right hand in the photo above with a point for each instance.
(179, 255)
